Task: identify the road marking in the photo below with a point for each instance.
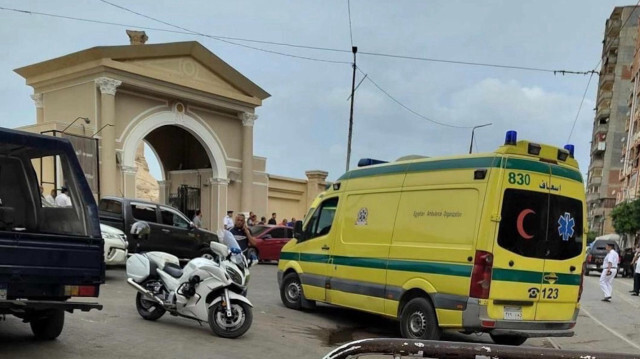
(585, 311)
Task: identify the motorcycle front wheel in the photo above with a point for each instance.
(234, 326)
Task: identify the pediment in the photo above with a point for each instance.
(185, 70)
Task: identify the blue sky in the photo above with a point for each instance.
(303, 126)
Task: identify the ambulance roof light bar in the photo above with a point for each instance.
(571, 149)
(511, 138)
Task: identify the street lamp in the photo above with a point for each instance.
(102, 128)
(86, 120)
(472, 131)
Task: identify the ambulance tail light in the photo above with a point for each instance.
(481, 275)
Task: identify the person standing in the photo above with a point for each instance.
(636, 275)
(251, 220)
(292, 223)
(63, 199)
(242, 234)
(272, 220)
(51, 198)
(228, 220)
(609, 270)
(284, 222)
(263, 220)
(197, 219)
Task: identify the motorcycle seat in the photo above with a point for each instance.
(173, 270)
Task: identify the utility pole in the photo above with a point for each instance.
(354, 49)
(472, 131)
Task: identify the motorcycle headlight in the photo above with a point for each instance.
(234, 275)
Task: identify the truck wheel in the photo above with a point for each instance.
(418, 320)
(48, 325)
(148, 309)
(514, 340)
(234, 326)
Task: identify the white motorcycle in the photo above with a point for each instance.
(205, 290)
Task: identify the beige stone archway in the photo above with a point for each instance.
(215, 197)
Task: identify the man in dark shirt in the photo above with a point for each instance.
(242, 234)
(272, 220)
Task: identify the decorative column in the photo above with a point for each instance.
(218, 202)
(129, 180)
(39, 102)
(108, 168)
(162, 191)
(314, 180)
(246, 198)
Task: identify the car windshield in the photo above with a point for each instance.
(256, 230)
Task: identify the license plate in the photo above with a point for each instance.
(3, 291)
(513, 313)
(598, 260)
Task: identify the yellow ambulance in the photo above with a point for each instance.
(488, 243)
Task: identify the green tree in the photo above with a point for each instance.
(591, 236)
(626, 217)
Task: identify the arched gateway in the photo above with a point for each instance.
(193, 109)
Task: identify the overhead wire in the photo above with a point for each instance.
(579, 108)
(416, 113)
(231, 40)
(350, 27)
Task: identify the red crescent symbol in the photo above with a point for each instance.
(520, 221)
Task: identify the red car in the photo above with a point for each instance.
(270, 240)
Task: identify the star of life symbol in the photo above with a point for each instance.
(363, 213)
(565, 226)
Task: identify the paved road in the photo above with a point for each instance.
(277, 332)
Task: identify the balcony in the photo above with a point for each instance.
(613, 25)
(607, 79)
(598, 147)
(605, 96)
(596, 163)
(597, 180)
(591, 197)
(603, 112)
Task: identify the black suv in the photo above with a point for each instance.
(595, 255)
(171, 231)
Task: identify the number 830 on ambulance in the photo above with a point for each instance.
(488, 243)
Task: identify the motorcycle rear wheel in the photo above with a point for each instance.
(232, 327)
(148, 309)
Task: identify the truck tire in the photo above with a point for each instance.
(418, 320)
(513, 340)
(47, 325)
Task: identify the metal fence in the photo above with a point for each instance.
(398, 348)
(186, 199)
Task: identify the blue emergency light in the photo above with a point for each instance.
(571, 149)
(511, 138)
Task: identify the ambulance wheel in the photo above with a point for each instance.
(292, 295)
(514, 340)
(418, 320)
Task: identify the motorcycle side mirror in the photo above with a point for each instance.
(297, 230)
(140, 230)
